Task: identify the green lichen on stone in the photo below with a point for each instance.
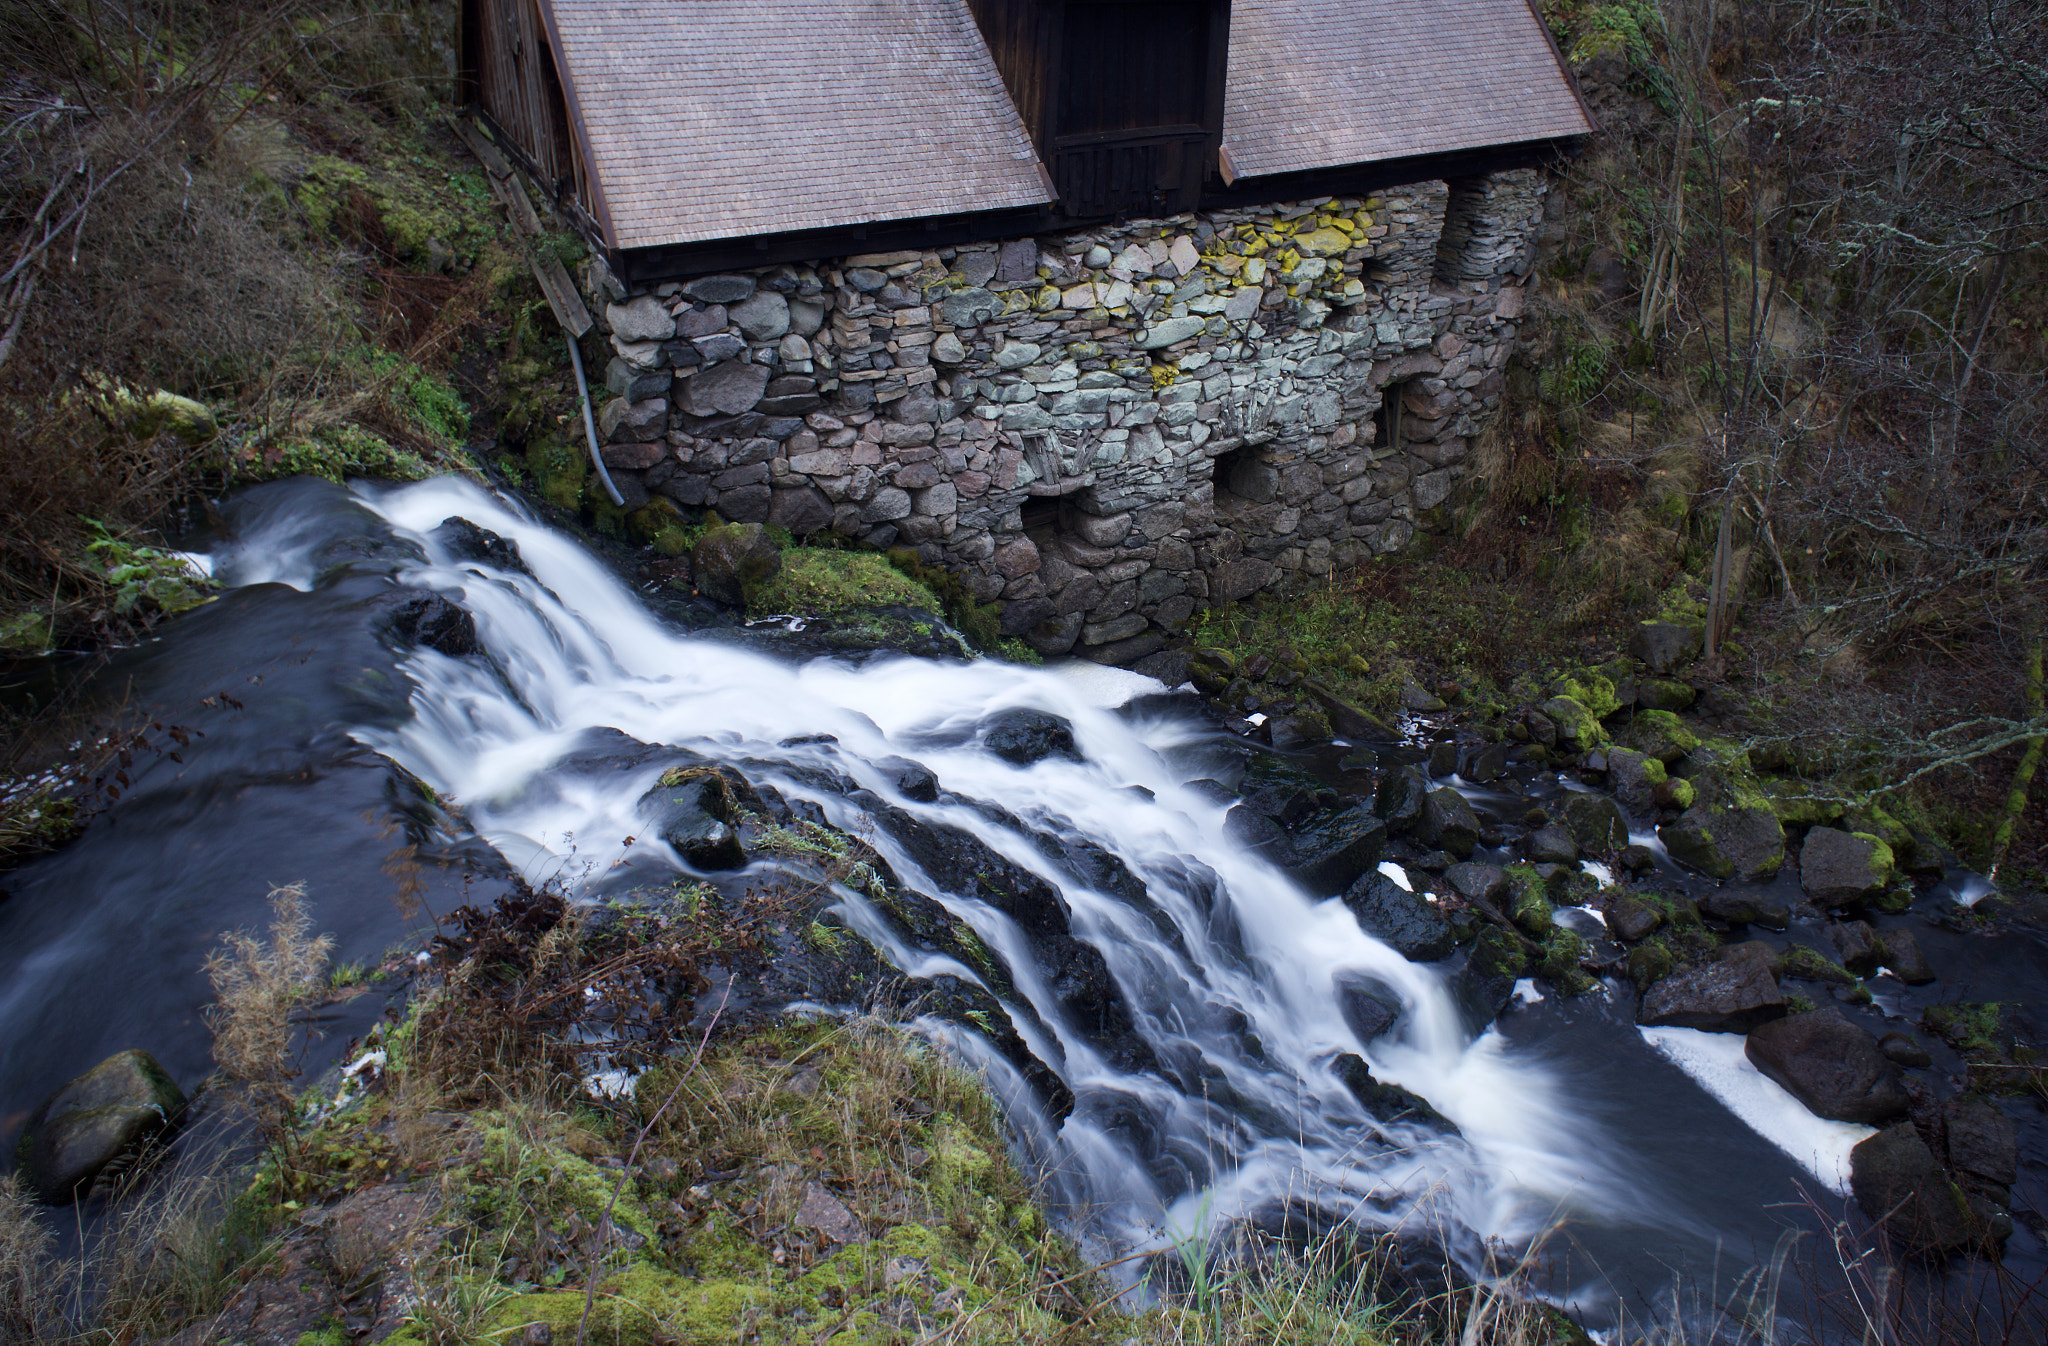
(1576, 723)
(1594, 691)
(1660, 734)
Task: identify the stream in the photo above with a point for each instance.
(1635, 1157)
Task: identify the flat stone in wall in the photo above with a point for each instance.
(1104, 430)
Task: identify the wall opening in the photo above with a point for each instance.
(1041, 515)
(1242, 478)
(1459, 257)
(1386, 422)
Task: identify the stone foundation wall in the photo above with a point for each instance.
(1105, 430)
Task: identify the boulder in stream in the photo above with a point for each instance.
(1398, 800)
(1596, 822)
(466, 541)
(1401, 919)
(733, 562)
(1550, 844)
(1900, 953)
(1840, 869)
(111, 1111)
(697, 810)
(420, 617)
(1022, 737)
(1728, 838)
(1733, 995)
(1447, 822)
(1983, 1146)
(1387, 1103)
(1896, 1179)
(1829, 1064)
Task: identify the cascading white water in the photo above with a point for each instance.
(571, 649)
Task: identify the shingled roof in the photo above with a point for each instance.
(710, 119)
(1319, 83)
(706, 120)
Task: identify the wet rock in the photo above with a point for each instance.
(735, 562)
(1398, 800)
(1401, 919)
(1477, 883)
(1022, 737)
(466, 541)
(1904, 1050)
(1731, 996)
(111, 1111)
(1448, 822)
(1896, 1179)
(1368, 1005)
(1899, 951)
(1982, 1143)
(422, 618)
(1840, 869)
(1550, 844)
(1663, 646)
(1388, 1103)
(1483, 762)
(962, 865)
(697, 810)
(1631, 918)
(1806, 964)
(1829, 1064)
(1330, 849)
(912, 780)
(1528, 904)
(1735, 906)
(1596, 822)
(1443, 758)
(1487, 982)
(1728, 840)
(1648, 964)
(1856, 942)
(1634, 778)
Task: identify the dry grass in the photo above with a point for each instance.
(257, 984)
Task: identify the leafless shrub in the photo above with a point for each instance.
(257, 984)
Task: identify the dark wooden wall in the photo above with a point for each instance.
(1123, 98)
(512, 78)
(1023, 36)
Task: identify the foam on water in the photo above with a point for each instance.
(570, 650)
(1718, 1063)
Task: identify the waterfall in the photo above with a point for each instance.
(1231, 976)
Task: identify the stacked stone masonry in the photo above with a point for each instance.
(1105, 430)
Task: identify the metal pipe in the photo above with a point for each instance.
(590, 426)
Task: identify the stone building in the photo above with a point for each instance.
(1116, 309)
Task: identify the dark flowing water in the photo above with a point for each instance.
(1652, 1154)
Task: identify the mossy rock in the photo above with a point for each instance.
(1594, 691)
(1660, 734)
(816, 582)
(1558, 963)
(1649, 962)
(1577, 725)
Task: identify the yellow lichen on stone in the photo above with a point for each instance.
(1325, 242)
(1163, 376)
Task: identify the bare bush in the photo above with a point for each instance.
(257, 984)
